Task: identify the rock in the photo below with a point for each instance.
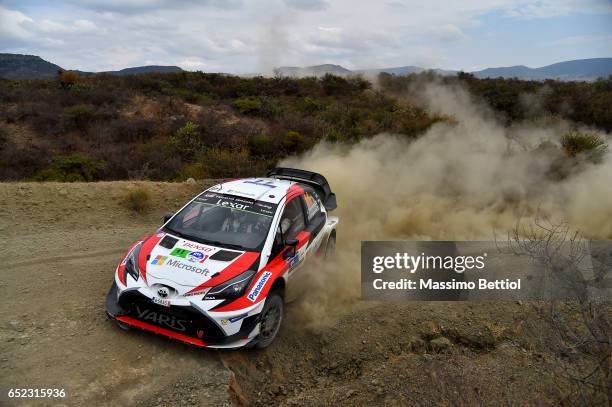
(417, 345)
(62, 192)
(429, 329)
(191, 181)
(440, 344)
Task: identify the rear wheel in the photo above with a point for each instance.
(271, 318)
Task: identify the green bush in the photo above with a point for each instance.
(265, 107)
(309, 105)
(88, 168)
(72, 168)
(590, 146)
(262, 145)
(248, 105)
(187, 141)
(294, 142)
(218, 163)
(79, 111)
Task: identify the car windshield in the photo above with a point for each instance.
(224, 220)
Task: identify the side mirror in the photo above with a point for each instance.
(168, 216)
(291, 248)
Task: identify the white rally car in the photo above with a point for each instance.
(218, 271)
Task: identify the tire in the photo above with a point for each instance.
(330, 249)
(273, 308)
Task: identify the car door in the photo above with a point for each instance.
(292, 225)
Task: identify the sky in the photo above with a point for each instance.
(254, 36)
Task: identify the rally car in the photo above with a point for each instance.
(219, 270)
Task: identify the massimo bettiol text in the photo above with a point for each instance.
(424, 270)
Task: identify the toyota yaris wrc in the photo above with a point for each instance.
(219, 270)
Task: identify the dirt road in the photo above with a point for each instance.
(60, 245)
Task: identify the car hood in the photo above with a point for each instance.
(171, 259)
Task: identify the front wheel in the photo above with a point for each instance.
(330, 249)
(271, 318)
(123, 326)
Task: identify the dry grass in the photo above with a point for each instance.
(137, 199)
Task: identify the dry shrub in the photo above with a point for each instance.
(137, 200)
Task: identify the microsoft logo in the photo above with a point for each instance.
(159, 260)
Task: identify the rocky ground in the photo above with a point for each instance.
(61, 243)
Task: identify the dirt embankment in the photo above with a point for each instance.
(61, 243)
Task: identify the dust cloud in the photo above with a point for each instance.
(465, 179)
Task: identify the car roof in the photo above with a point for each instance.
(270, 190)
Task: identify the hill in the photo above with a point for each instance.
(338, 70)
(18, 66)
(576, 70)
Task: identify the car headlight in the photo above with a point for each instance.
(231, 289)
(131, 262)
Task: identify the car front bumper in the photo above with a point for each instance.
(184, 323)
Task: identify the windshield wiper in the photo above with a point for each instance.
(226, 245)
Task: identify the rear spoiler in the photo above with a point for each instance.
(316, 181)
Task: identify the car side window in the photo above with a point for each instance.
(313, 208)
(292, 222)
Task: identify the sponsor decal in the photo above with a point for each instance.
(238, 203)
(196, 246)
(202, 292)
(188, 267)
(293, 260)
(233, 319)
(191, 255)
(161, 319)
(238, 318)
(259, 285)
(261, 182)
(233, 205)
(159, 260)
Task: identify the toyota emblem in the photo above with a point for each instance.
(163, 292)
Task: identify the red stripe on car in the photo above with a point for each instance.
(293, 191)
(145, 251)
(161, 331)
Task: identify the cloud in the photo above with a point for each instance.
(307, 5)
(12, 25)
(245, 36)
(193, 63)
(578, 40)
(553, 8)
(143, 6)
(447, 32)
